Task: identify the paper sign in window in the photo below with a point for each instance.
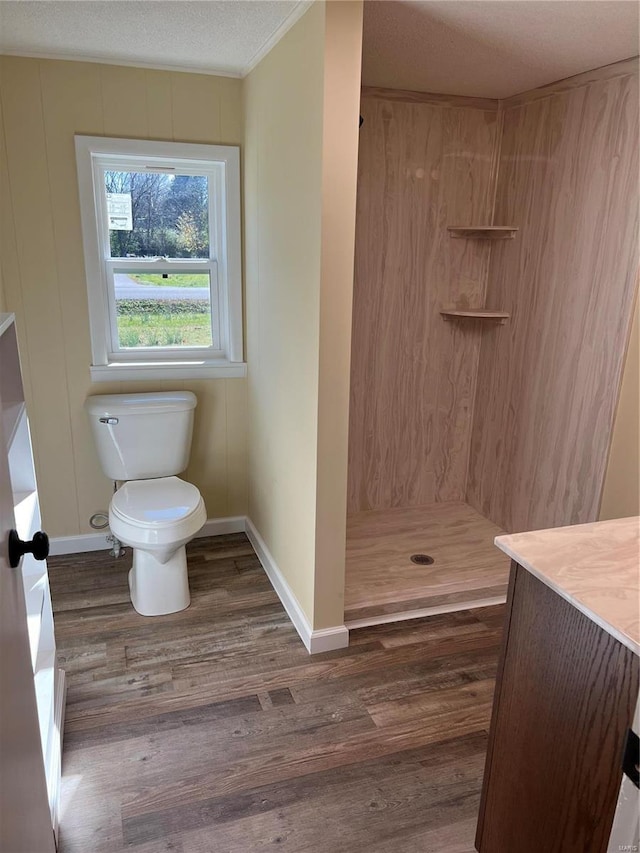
(119, 211)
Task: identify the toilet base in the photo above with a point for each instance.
(159, 588)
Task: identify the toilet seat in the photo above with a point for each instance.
(158, 514)
(161, 502)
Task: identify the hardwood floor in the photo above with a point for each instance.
(213, 731)
(381, 581)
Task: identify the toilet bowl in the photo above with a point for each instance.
(157, 518)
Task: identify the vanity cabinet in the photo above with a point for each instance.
(566, 691)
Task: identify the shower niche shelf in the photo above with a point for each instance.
(482, 232)
(475, 314)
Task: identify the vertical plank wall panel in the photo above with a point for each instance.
(72, 103)
(44, 103)
(548, 380)
(422, 166)
(33, 208)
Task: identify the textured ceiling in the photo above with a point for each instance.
(492, 48)
(225, 36)
(487, 48)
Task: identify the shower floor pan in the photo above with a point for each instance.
(383, 583)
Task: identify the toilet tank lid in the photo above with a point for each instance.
(139, 404)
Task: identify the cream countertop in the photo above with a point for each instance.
(596, 567)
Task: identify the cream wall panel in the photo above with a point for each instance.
(159, 104)
(230, 93)
(3, 191)
(621, 495)
(29, 190)
(71, 100)
(237, 446)
(196, 108)
(423, 165)
(548, 380)
(301, 107)
(208, 464)
(283, 114)
(9, 253)
(124, 101)
(48, 102)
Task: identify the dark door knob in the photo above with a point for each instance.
(38, 546)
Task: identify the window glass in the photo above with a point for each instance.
(163, 309)
(157, 214)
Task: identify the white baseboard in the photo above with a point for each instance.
(222, 526)
(78, 544)
(59, 545)
(328, 639)
(323, 640)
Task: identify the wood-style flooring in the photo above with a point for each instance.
(382, 584)
(213, 730)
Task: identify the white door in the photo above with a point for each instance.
(25, 815)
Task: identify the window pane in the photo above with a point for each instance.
(163, 309)
(155, 214)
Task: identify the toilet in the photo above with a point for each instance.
(143, 442)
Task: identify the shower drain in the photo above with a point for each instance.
(422, 559)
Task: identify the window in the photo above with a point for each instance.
(161, 231)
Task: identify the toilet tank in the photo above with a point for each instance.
(140, 436)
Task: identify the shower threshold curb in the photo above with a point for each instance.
(405, 615)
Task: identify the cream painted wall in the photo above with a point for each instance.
(301, 109)
(2, 298)
(621, 494)
(283, 99)
(2, 302)
(44, 102)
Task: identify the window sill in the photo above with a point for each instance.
(137, 371)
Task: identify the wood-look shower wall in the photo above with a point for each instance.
(548, 380)
(423, 165)
(515, 418)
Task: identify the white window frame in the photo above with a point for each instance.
(221, 165)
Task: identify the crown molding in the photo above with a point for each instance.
(125, 63)
(293, 17)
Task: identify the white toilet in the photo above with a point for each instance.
(144, 440)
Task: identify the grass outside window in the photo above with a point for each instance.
(161, 318)
(172, 280)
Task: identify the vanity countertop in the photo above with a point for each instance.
(596, 567)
